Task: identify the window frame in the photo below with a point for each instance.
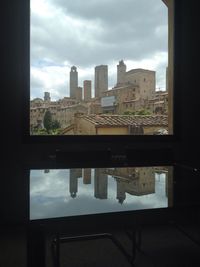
(174, 42)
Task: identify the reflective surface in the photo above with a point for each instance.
(70, 192)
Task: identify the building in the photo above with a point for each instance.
(121, 72)
(132, 91)
(101, 79)
(100, 184)
(73, 81)
(87, 90)
(47, 96)
(78, 93)
(120, 124)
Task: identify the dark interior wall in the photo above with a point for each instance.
(187, 67)
(14, 71)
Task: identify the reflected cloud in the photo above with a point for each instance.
(71, 192)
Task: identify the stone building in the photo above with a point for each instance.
(78, 93)
(47, 96)
(132, 91)
(101, 79)
(87, 90)
(119, 124)
(159, 103)
(121, 72)
(62, 111)
(121, 99)
(73, 81)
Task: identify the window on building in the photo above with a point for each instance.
(86, 85)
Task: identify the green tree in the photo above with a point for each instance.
(48, 121)
(55, 125)
(143, 112)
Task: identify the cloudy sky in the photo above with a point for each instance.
(90, 33)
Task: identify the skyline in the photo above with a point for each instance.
(108, 38)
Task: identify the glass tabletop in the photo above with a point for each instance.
(67, 192)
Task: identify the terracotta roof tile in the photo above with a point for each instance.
(124, 120)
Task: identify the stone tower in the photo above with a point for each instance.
(47, 96)
(100, 184)
(78, 93)
(73, 81)
(87, 88)
(101, 79)
(121, 71)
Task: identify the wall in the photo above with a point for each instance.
(112, 130)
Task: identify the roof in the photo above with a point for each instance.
(125, 120)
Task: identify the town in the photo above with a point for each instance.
(133, 106)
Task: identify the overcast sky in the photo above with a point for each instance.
(94, 32)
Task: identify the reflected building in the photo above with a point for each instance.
(74, 174)
(134, 181)
(87, 176)
(138, 181)
(145, 184)
(123, 173)
(121, 191)
(100, 184)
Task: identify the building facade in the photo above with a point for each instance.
(87, 90)
(101, 79)
(73, 84)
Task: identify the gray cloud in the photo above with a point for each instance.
(96, 32)
(109, 30)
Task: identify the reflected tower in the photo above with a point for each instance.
(74, 174)
(121, 191)
(100, 184)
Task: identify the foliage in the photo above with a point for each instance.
(47, 121)
(138, 112)
(50, 125)
(55, 125)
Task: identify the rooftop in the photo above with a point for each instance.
(125, 120)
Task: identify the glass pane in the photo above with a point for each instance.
(101, 68)
(73, 192)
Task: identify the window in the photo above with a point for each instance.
(70, 74)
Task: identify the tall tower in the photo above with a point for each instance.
(101, 79)
(87, 88)
(121, 71)
(100, 184)
(73, 81)
(47, 96)
(78, 93)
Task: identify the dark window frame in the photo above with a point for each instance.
(95, 139)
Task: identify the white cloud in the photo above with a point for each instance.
(66, 33)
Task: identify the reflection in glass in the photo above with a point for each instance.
(72, 192)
